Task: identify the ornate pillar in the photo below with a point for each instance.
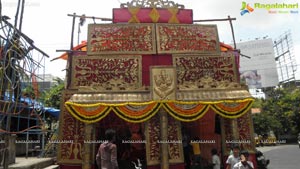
(164, 139)
(229, 134)
(88, 153)
(163, 87)
(234, 129)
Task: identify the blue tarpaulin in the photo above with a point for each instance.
(52, 111)
(32, 103)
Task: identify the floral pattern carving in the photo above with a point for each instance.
(197, 68)
(181, 38)
(108, 72)
(121, 39)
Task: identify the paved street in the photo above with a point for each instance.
(282, 156)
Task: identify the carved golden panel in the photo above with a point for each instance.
(187, 38)
(121, 39)
(152, 130)
(175, 137)
(118, 72)
(207, 71)
(71, 140)
(163, 82)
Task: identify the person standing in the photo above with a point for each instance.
(233, 158)
(215, 159)
(107, 153)
(196, 160)
(299, 140)
(244, 163)
(187, 150)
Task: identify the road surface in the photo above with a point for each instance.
(282, 156)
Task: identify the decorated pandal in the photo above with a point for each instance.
(151, 75)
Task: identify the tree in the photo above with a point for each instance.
(279, 112)
(52, 97)
(263, 123)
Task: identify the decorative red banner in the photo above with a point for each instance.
(152, 15)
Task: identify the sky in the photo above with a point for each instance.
(47, 23)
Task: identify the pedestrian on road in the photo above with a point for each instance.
(233, 158)
(244, 163)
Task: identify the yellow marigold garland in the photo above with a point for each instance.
(197, 113)
(185, 112)
(90, 113)
(138, 113)
(236, 111)
(85, 116)
(137, 116)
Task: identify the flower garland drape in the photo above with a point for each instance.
(136, 112)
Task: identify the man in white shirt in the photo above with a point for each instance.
(234, 158)
(244, 163)
(215, 159)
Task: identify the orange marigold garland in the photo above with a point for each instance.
(194, 114)
(88, 113)
(190, 111)
(232, 109)
(137, 114)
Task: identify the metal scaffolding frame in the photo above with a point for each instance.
(285, 58)
(20, 61)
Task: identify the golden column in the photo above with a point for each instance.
(88, 153)
(164, 138)
(234, 127)
(163, 83)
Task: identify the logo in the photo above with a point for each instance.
(271, 8)
(246, 8)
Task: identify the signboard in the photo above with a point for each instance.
(259, 70)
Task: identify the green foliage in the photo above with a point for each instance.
(263, 123)
(52, 97)
(280, 112)
(257, 103)
(28, 91)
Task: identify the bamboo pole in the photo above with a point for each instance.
(215, 20)
(90, 17)
(70, 54)
(224, 19)
(232, 32)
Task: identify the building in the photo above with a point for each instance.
(158, 80)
